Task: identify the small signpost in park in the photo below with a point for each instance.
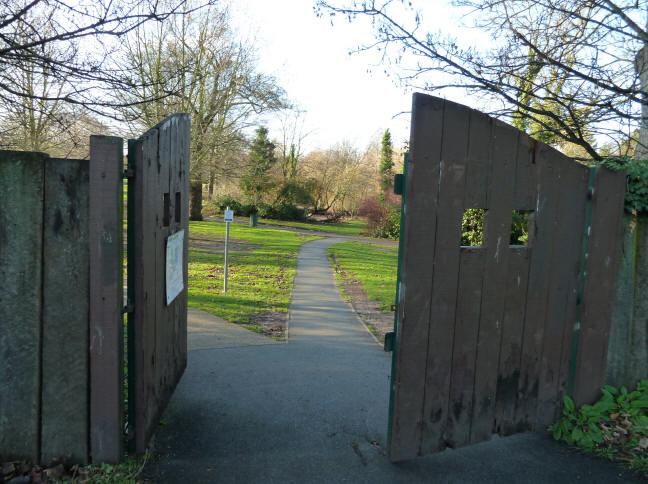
(229, 217)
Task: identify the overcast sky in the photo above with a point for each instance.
(346, 97)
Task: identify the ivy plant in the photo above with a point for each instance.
(636, 199)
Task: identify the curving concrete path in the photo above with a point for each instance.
(315, 410)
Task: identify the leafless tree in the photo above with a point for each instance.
(73, 43)
(564, 70)
(194, 64)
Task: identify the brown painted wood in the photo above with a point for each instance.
(538, 285)
(416, 280)
(497, 230)
(563, 283)
(526, 175)
(598, 294)
(513, 323)
(498, 320)
(478, 176)
(508, 374)
(64, 430)
(21, 189)
(452, 170)
(469, 297)
(162, 168)
(106, 298)
(146, 149)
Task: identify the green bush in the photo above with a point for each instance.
(227, 201)
(615, 427)
(636, 198)
(277, 211)
(383, 214)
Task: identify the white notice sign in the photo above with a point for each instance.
(174, 272)
(229, 215)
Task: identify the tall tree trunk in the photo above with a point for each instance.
(212, 180)
(195, 200)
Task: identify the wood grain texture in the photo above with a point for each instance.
(486, 332)
(162, 167)
(598, 293)
(562, 289)
(497, 228)
(416, 282)
(452, 180)
(546, 213)
(65, 311)
(21, 195)
(469, 296)
(106, 298)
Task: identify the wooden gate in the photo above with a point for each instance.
(489, 338)
(158, 227)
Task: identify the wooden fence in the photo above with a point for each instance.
(490, 337)
(62, 338)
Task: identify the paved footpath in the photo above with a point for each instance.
(315, 410)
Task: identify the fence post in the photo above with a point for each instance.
(106, 298)
(21, 232)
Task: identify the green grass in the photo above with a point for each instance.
(354, 227)
(373, 265)
(262, 266)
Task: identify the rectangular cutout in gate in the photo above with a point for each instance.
(472, 227)
(521, 224)
(177, 207)
(166, 215)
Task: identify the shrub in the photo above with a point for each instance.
(615, 427)
(277, 211)
(291, 212)
(383, 215)
(227, 201)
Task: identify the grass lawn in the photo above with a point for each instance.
(354, 227)
(262, 265)
(373, 265)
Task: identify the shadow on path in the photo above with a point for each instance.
(315, 410)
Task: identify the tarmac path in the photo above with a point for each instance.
(315, 410)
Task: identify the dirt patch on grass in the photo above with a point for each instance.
(271, 324)
(378, 322)
(211, 245)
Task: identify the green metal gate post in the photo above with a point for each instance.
(581, 282)
(400, 188)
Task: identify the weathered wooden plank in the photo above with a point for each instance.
(526, 175)
(21, 219)
(546, 215)
(479, 162)
(417, 265)
(508, 374)
(563, 282)
(456, 124)
(598, 294)
(162, 321)
(469, 296)
(160, 328)
(65, 311)
(497, 229)
(184, 157)
(179, 179)
(147, 215)
(106, 298)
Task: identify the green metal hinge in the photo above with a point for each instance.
(398, 183)
(389, 342)
(129, 308)
(128, 173)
